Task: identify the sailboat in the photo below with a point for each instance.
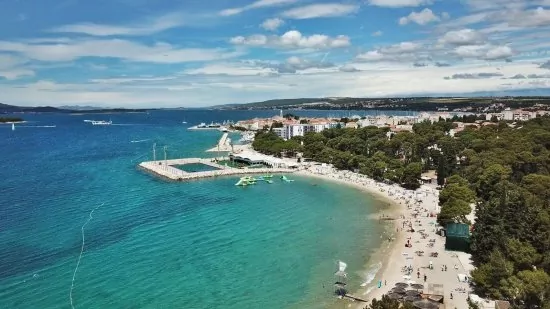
(13, 126)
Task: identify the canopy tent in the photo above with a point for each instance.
(457, 237)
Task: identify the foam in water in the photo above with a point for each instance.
(371, 273)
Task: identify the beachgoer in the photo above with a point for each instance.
(418, 274)
(451, 295)
(425, 278)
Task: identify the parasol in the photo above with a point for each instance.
(425, 304)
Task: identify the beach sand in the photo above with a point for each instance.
(416, 209)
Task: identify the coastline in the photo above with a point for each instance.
(411, 251)
(388, 252)
(416, 254)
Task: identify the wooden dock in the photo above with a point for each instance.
(167, 170)
(355, 298)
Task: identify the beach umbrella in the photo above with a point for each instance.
(425, 304)
(398, 291)
(412, 293)
(401, 285)
(394, 296)
(411, 299)
(417, 286)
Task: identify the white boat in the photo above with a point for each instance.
(101, 123)
(184, 122)
(13, 126)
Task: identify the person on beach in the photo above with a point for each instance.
(418, 274)
(425, 278)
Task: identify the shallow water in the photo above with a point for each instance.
(156, 244)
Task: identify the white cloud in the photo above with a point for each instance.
(115, 48)
(404, 51)
(377, 33)
(13, 74)
(530, 18)
(230, 69)
(256, 5)
(11, 67)
(272, 24)
(373, 80)
(143, 28)
(463, 37)
(483, 5)
(293, 39)
(481, 75)
(484, 52)
(423, 17)
(399, 3)
(348, 68)
(320, 10)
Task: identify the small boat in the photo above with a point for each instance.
(13, 126)
(101, 123)
(184, 122)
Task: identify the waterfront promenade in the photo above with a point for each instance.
(167, 169)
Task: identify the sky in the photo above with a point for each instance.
(191, 53)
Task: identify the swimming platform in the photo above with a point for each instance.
(166, 169)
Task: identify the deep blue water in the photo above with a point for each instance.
(156, 244)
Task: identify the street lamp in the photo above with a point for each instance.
(165, 162)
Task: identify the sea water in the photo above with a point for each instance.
(82, 227)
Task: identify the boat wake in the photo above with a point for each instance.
(140, 141)
(50, 126)
(90, 217)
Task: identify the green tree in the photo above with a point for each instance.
(411, 175)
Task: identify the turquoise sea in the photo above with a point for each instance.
(149, 243)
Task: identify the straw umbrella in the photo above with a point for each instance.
(411, 299)
(425, 304)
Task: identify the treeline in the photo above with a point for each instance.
(10, 119)
(376, 152)
(508, 169)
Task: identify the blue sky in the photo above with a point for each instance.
(147, 53)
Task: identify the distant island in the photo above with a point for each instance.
(10, 119)
(7, 109)
(458, 104)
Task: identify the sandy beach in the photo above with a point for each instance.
(411, 220)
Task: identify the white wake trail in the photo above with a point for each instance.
(81, 252)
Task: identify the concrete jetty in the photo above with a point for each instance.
(224, 146)
(167, 170)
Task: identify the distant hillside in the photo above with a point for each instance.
(410, 103)
(5, 108)
(79, 108)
